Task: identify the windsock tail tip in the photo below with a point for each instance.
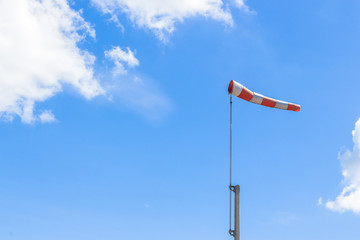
(294, 107)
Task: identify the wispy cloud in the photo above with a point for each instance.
(140, 94)
(39, 54)
(160, 16)
(241, 5)
(136, 92)
(132, 90)
(349, 198)
(123, 59)
(284, 218)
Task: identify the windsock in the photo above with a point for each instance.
(240, 91)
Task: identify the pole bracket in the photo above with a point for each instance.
(236, 232)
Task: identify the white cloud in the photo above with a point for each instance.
(39, 54)
(161, 15)
(122, 59)
(47, 117)
(349, 198)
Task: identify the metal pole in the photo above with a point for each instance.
(230, 186)
(237, 213)
(236, 189)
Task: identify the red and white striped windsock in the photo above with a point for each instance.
(240, 91)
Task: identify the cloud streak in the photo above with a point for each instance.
(141, 94)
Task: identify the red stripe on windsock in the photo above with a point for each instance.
(246, 94)
(269, 102)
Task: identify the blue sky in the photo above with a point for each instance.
(115, 119)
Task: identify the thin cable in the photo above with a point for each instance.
(230, 161)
